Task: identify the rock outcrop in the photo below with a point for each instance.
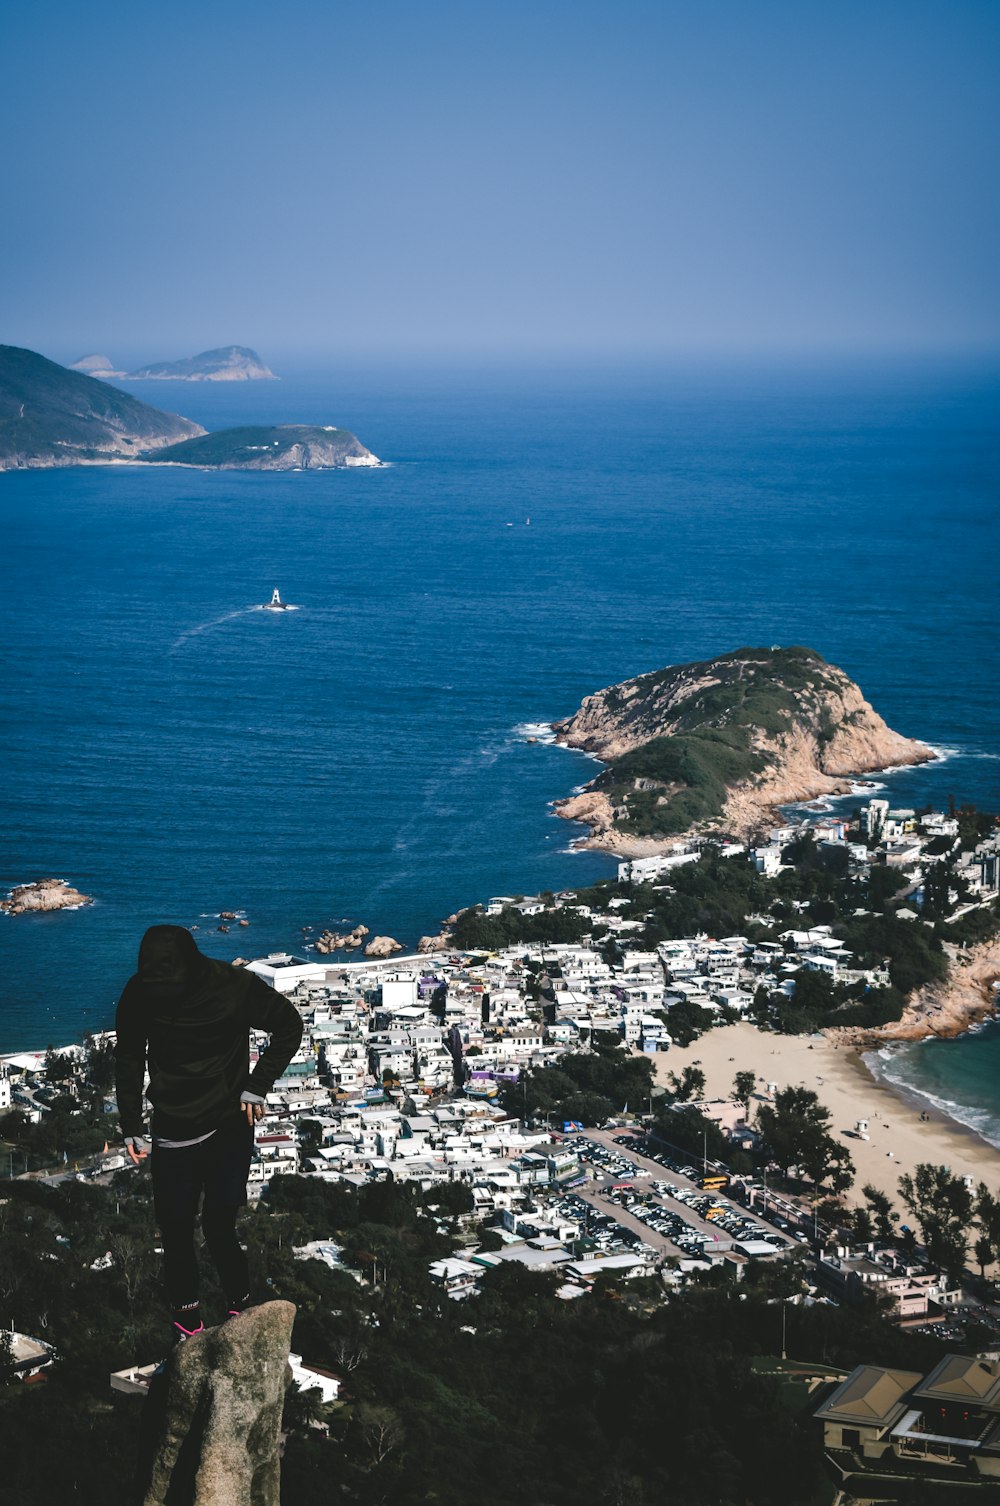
(211, 1424)
(966, 997)
(382, 946)
(717, 745)
(340, 941)
(45, 894)
(439, 943)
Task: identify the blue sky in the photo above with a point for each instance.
(560, 176)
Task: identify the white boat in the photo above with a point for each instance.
(275, 604)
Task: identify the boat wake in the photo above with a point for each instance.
(214, 622)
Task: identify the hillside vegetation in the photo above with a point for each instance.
(723, 740)
(270, 447)
(51, 416)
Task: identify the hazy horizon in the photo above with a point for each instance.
(477, 182)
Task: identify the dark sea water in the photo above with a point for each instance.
(175, 752)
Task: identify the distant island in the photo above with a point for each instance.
(229, 363)
(718, 744)
(95, 366)
(52, 416)
(279, 447)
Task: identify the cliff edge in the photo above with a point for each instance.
(716, 745)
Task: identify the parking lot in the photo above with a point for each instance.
(657, 1199)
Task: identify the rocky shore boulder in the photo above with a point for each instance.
(437, 943)
(340, 941)
(382, 946)
(211, 1424)
(45, 894)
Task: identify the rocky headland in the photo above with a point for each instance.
(276, 447)
(44, 895)
(53, 416)
(718, 745)
(963, 999)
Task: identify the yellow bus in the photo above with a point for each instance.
(715, 1181)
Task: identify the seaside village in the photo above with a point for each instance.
(410, 1067)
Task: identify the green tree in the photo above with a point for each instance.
(880, 1207)
(942, 1205)
(795, 1129)
(690, 1084)
(743, 1086)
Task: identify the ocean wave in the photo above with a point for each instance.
(541, 731)
(944, 752)
(984, 1122)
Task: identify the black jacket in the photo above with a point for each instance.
(190, 1019)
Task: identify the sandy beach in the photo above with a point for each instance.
(898, 1138)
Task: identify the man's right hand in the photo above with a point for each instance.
(136, 1147)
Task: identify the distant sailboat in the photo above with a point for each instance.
(276, 604)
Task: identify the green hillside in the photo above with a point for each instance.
(50, 416)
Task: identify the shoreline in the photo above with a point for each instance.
(901, 1134)
(963, 999)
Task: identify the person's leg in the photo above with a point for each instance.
(176, 1190)
(228, 1255)
(226, 1171)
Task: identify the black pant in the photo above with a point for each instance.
(217, 1167)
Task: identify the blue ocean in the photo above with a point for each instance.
(175, 752)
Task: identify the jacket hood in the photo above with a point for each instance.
(169, 959)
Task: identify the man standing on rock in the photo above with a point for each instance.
(189, 1018)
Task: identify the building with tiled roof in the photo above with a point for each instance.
(948, 1421)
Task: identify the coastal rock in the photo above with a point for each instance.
(45, 894)
(437, 943)
(336, 941)
(718, 745)
(211, 1426)
(966, 997)
(382, 946)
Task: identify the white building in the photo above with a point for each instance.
(283, 972)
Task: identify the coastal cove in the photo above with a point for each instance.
(361, 759)
(903, 1129)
